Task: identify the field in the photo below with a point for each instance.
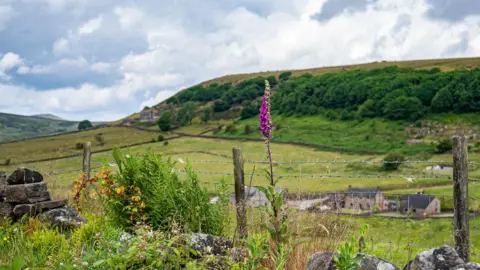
(64, 145)
(211, 159)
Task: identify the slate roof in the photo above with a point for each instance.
(416, 201)
(361, 192)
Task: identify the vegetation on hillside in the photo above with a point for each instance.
(391, 92)
(16, 127)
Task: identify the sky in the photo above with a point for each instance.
(103, 60)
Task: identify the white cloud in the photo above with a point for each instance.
(61, 47)
(101, 67)
(9, 61)
(187, 49)
(129, 17)
(90, 26)
(159, 97)
(6, 14)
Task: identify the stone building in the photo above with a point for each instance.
(364, 198)
(420, 204)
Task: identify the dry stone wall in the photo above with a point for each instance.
(24, 193)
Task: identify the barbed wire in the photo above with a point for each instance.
(334, 161)
(327, 175)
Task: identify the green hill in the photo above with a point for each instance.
(17, 127)
(349, 106)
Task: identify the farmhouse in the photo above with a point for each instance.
(363, 198)
(419, 204)
(148, 115)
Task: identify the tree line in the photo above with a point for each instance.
(390, 92)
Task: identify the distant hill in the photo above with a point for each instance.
(49, 116)
(17, 127)
(419, 79)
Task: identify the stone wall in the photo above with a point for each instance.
(24, 193)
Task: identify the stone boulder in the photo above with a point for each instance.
(64, 217)
(442, 258)
(209, 244)
(324, 261)
(27, 193)
(3, 185)
(24, 176)
(33, 209)
(321, 261)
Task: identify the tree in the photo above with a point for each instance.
(206, 115)
(404, 108)
(442, 101)
(390, 161)
(367, 109)
(250, 110)
(220, 106)
(186, 113)
(165, 121)
(84, 125)
(284, 75)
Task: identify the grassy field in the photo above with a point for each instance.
(370, 134)
(210, 157)
(388, 239)
(63, 145)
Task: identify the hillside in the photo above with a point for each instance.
(17, 127)
(49, 116)
(341, 89)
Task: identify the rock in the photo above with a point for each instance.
(321, 261)
(324, 261)
(238, 254)
(33, 209)
(6, 210)
(3, 184)
(208, 244)
(63, 217)
(374, 263)
(472, 266)
(27, 193)
(24, 176)
(442, 258)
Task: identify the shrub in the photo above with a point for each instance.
(160, 138)
(247, 130)
(79, 146)
(165, 122)
(443, 146)
(100, 139)
(231, 129)
(8, 161)
(284, 75)
(153, 140)
(146, 189)
(217, 130)
(390, 160)
(165, 143)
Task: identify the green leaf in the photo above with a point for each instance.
(98, 263)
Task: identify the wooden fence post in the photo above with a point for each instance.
(239, 176)
(460, 194)
(86, 160)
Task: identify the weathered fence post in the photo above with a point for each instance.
(86, 160)
(239, 176)
(460, 194)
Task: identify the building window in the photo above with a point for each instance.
(414, 210)
(351, 204)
